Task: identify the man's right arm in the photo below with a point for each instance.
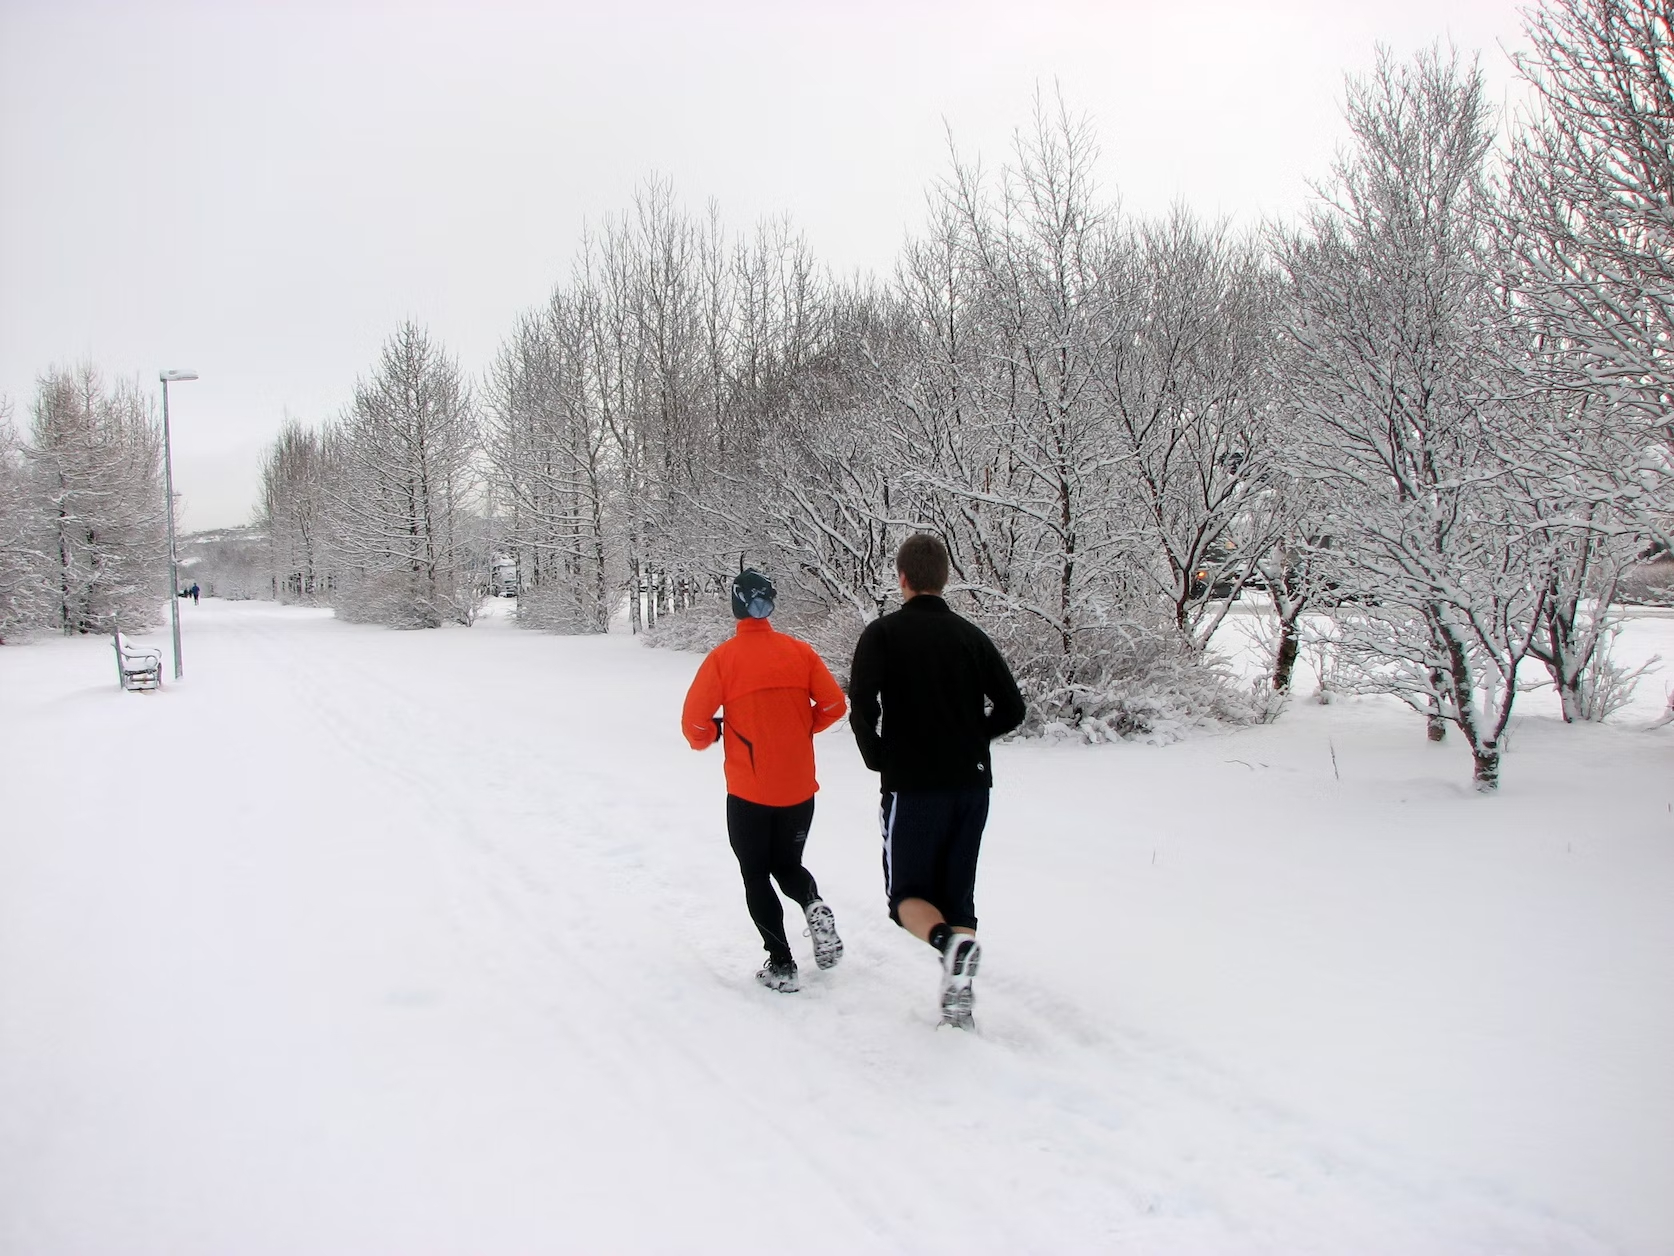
(865, 676)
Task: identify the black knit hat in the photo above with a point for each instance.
(752, 595)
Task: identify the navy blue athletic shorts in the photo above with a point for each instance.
(931, 839)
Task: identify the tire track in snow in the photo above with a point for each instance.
(501, 895)
(1136, 1141)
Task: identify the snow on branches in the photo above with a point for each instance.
(1429, 425)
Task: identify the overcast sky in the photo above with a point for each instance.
(261, 192)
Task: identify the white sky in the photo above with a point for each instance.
(261, 192)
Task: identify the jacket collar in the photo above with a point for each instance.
(925, 602)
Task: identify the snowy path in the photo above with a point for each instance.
(370, 942)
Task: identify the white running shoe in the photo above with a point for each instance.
(959, 965)
(822, 928)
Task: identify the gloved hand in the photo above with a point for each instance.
(717, 728)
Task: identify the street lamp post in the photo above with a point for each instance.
(172, 377)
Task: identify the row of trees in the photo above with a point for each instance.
(1481, 475)
(1439, 407)
(82, 526)
(376, 513)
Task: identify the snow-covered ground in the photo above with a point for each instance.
(370, 942)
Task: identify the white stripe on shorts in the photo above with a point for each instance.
(886, 821)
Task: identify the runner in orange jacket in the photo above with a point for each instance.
(775, 694)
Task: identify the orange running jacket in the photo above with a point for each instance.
(777, 693)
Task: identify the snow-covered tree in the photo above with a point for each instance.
(1587, 239)
(1296, 569)
(1187, 385)
(806, 489)
(1592, 198)
(654, 380)
(1397, 329)
(1563, 478)
(768, 343)
(1030, 314)
(96, 471)
(686, 402)
(639, 420)
(292, 513)
(401, 490)
(1018, 468)
(25, 593)
(545, 439)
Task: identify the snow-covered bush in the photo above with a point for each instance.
(1666, 718)
(1123, 680)
(699, 628)
(1267, 704)
(396, 599)
(1607, 686)
(554, 606)
(709, 621)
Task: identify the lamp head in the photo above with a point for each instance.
(175, 377)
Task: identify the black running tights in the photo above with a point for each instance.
(768, 842)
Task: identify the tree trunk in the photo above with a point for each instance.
(1435, 723)
(1290, 644)
(1487, 759)
(1569, 694)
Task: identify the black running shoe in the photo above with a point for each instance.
(779, 974)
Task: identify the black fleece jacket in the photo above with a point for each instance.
(943, 692)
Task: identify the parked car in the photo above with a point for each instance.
(1216, 574)
(1649, 582)
(504, 582)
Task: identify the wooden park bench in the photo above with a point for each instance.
(138, 667)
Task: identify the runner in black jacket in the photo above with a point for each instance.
(927, 692)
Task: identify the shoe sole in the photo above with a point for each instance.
(956, 986)
(965, 960)
(826, 955)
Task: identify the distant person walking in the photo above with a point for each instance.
(943, 693)
(774, 693)
(194, 592)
